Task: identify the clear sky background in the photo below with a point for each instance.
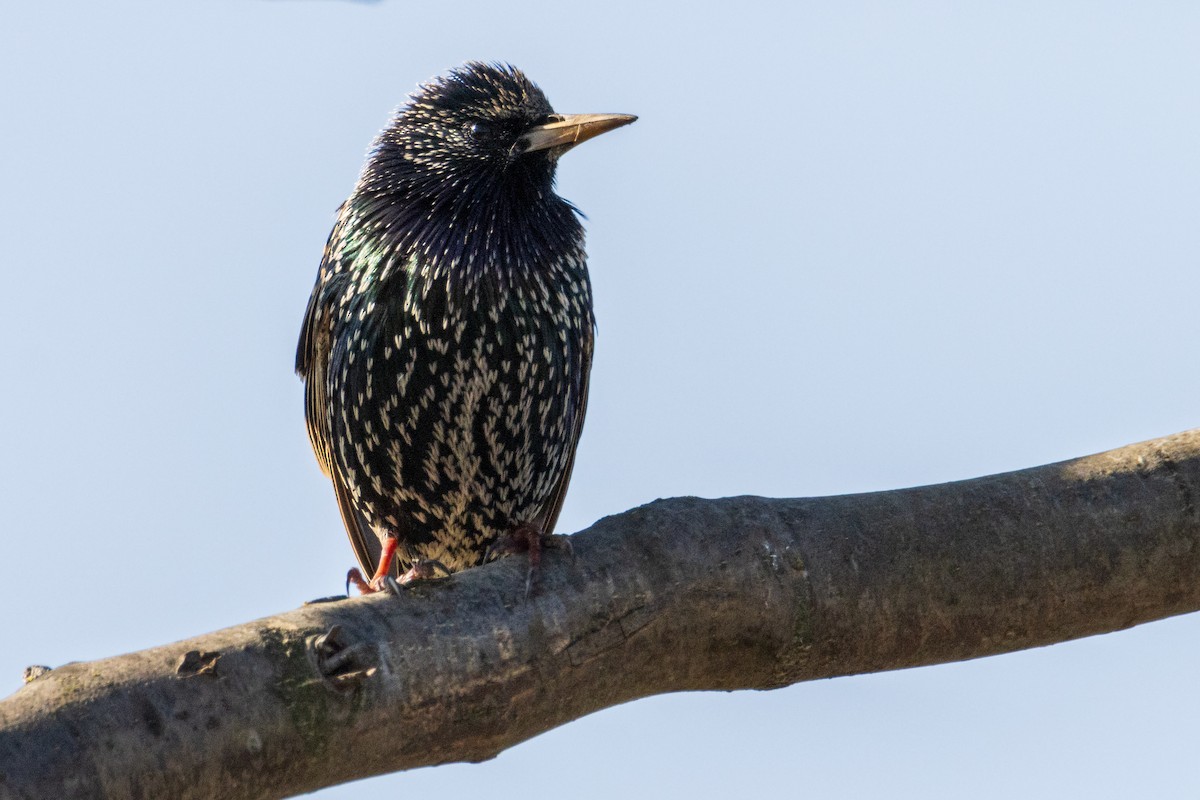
(848, 246)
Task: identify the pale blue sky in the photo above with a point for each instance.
(848, 246)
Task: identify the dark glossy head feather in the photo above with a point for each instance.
(449, 180)
(464, 127)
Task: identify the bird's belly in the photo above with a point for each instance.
(450, 440)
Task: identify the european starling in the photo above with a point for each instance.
(447, 343)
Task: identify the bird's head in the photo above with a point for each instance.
(480, 128)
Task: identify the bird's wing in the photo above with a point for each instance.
(312, 365)
(367, 548)
(554, 507)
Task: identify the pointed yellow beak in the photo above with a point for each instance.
(567, 130)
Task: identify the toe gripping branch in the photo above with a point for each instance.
(342, 663)
(525, 537)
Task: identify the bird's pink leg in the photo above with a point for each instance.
(385, 565)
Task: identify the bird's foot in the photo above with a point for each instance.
(362, 584)
(378, 580)
(423, 569)
(527, 537)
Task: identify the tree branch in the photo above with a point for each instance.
(677, 595)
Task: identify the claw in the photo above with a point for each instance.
(355, 577)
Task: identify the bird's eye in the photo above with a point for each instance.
(478, 129)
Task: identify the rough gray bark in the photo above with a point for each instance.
(681, 594)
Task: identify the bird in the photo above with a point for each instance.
(447, 344)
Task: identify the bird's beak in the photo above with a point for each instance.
(568, 130)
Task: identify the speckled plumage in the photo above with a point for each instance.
(448, 340)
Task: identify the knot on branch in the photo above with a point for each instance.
(198, 662)
(342, 664)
